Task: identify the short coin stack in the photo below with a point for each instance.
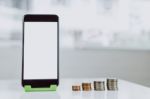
(99, 85)
(76, 88)
(86, 87)
(112, 84)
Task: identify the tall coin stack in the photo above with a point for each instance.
(99, 85)
(112, 84)
(86, 87)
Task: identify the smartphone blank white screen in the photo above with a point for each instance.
(40, 50)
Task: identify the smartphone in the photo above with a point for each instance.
(40, 50)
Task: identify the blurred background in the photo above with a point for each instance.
(98, 38)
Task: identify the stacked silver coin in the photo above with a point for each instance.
(112, 84)
(99, 85)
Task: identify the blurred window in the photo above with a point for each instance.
(94, 24)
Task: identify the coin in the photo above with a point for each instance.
(99, 85)
(86, 87)
(112, 84)
(76, 88)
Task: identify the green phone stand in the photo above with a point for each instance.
(28, 88)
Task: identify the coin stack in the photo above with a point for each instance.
(99, 85)
(112, 84)
(86, 87)
(76, 88)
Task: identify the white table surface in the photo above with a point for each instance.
(12, 89)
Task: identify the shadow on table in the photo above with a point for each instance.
(40, 95)
(95, 95)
